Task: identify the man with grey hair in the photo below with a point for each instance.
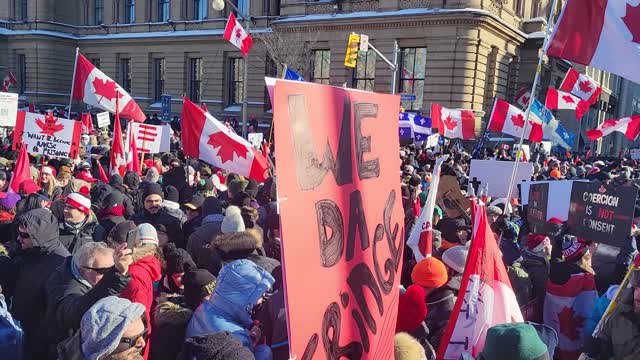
(94, 272)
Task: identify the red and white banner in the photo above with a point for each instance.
(604, 34)
(453, 123)
(235, 33)
(582, 86)
(207, 139)
(557, 99)
(117, 161)
(133, 162)
(629, 126)
(522, 97)
(485, 298)
(151, 139)
(47, 135)
(421, 238)
(97, 89)
(8, 81)
(87, 124)
(508, 119)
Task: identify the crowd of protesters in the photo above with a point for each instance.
(185, 263)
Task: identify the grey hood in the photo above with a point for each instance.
(42, 227)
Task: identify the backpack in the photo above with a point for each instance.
(11, 334)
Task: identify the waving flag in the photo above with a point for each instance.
(522, 97)
(117, 161)
(235, 34)
(604, 34)
(97, 89)
(421, 238)
(405, 129)
(292, 75)
(582, 86)
(21, 171)
(629, 126)
(8, 81)
(207, 139)
(87, 124)
(133, 162)
(508, 119)
(552, 128)
(485, 297)
(453, 123)
(564, 101)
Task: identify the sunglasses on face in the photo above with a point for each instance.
(131, 341)
(24, 235)
(100, 271)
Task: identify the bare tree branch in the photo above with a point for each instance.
(293, 49)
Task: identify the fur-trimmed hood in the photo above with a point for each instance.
(169, 311)
(244, 241)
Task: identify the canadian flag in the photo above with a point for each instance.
(207, 139)
(8, 80)
(87, 124)
(508, 119)
(421, 238)
(604, 34)
(117, 162)
(485, 297)
(629, 126)
(234, 32)
(557, 99)
(133, 162)
(522, 97)
(582, 86)
(453, 123)
(97, 89)
(21, 171)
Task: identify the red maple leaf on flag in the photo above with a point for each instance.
(568, 99)
(525, 100)
(50, 125)
(227, 146)
(609, 123)
(585, 86)
(449, 123)
(106, 89)
(570, 323)
(518, 120)
(632, 21)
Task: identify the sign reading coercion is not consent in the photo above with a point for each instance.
(600, 213)
(341, 217)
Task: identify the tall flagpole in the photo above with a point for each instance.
(536, 80)
(73, 79)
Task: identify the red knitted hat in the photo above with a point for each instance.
(535, 242)
(79, 202)
(411, 309)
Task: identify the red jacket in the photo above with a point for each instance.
(143, 273)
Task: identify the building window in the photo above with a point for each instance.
(98, 14)
(270, 70)
(536, 9)
(236, 87)
(163, 10)
(199, 9)
(125, 74)
(195, 77)
(159, 66)
(130, 11)
(320, 66)
(519, 8)
(23, 10)
(412, 68)
(364, 74)
(243, 6)
(22, 76)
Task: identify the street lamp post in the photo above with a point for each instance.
(218, 5)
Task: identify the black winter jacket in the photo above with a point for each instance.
(73, 239)
(171, 225)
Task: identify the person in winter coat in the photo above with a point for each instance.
(237, 242)
(8, 202)
(79, 222)
(41, 253)
(93, 273)
(535, 262)
(171, 204)
(241, 286)
(158, 216)
(170, 326)
(113, 328)
(406, 347)
(131, 183)
(273, 318)
(193, 209)
(111, 215)
(198, 244)
(48, 182)
(117, 183)
(599, 310)
(178, 263)
(515, 341)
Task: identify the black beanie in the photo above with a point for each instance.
(118, 233)
(171, 193)
(116, 180)
(217, 346)
(178, 260)
(195, 286)
(152, 189)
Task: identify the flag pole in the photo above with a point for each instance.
(73, 79)
(536, 80)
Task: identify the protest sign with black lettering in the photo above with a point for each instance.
(601, 213)
(537, 207)
(8, 109)
(103, 119)
(47, 134)
(341, 217)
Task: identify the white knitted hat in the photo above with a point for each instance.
(232, 221)
(456, 258)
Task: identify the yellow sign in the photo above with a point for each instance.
(352, 51)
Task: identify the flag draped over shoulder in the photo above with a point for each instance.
(485, 298)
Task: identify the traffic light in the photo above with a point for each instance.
(352, 51)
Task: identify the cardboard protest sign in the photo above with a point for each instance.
(8, 109)
(602, 213)
(255, 139)
(103, 119)
(450, 198)
(498, 174)
(152, 139)
(47, 134)
(558, 198)
(341, 217)
(537, 207)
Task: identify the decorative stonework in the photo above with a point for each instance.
(319, 8)
(366, 5)
(414, 4)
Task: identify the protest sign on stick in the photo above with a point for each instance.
(537, 207)
(450, 198)
(47, 135)
(493, 172)
(341, 217)
(8, 109)
(601, 213)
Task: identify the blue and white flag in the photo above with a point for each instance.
(414, 125)
(292, 75)
(552, 128)
(404, 128)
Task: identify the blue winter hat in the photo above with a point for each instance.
(103, 325)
